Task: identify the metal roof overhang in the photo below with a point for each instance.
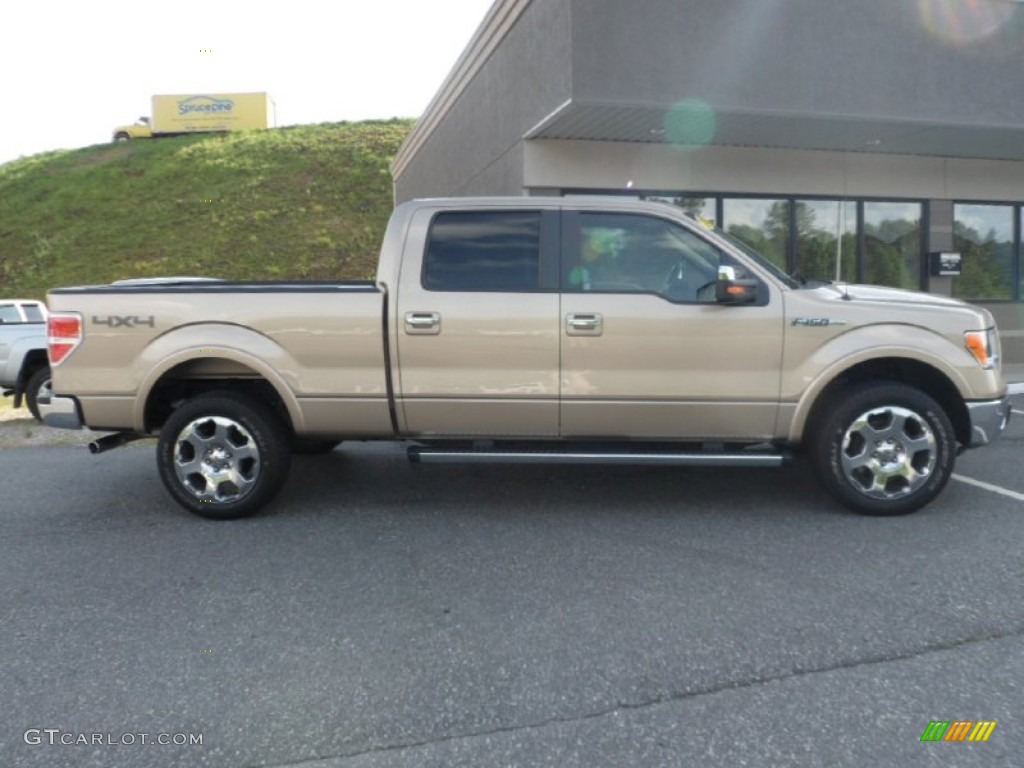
(694, 124)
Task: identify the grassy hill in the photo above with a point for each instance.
(303, 202)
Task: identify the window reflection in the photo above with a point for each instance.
(826, 245)
(763, 224)
(892, 244)
(983, 234)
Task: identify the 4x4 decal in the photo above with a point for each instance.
(124, 321)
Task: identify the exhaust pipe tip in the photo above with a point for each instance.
(108, 442)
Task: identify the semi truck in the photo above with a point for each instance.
(174, 115)
(534, 330)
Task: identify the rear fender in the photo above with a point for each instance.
(242, 346)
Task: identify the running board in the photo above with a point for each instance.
(429, 455)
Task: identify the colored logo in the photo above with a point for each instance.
(958, 730)
(204, 104)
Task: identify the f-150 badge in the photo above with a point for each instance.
(817, 322)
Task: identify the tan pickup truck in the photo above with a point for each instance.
(534, 330)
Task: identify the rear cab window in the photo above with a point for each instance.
(33, 313)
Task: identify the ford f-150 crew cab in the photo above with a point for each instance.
(534, 330)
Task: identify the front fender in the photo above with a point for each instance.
(805, 380)
(222, 341)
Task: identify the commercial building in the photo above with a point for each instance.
(853, 139)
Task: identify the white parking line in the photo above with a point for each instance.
(989, 487)
(1020, 413)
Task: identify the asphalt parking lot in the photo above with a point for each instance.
(383, 614)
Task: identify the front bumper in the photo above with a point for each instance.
(988, 420)
(60, 412)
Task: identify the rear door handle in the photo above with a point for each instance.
(423, 323)
(584, 324)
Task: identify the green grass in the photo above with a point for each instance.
(308, 202)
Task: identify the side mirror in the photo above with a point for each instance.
(730, 290)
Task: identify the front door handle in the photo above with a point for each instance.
(584, 324)
(423, 323)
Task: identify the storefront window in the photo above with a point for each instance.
(983, 234)
(820, 239)
(761, 224)
(892, 244)
(702, 207)
(826, 244)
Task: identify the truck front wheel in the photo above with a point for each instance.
(223, 455)
(884, 448)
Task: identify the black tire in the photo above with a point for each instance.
(244, 460)
(307, 446)
(883, 448)
(38, 388)
(121, 136)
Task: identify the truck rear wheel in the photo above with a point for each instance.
(223, 455)
(884, 448)
(38, 388)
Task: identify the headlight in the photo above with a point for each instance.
(983, 345)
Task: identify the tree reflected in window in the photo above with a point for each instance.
(761, 224)
(983, 234)
(892, 244)
(826, 246)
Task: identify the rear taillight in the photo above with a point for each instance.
(63, 334)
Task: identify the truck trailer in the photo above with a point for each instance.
(199, 113)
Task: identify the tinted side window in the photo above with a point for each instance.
(33, 313)
(483, 251)
(9, 314)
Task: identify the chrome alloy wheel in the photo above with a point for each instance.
(216, 459)
(888, 452)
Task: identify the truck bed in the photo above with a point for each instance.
(320, 344)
